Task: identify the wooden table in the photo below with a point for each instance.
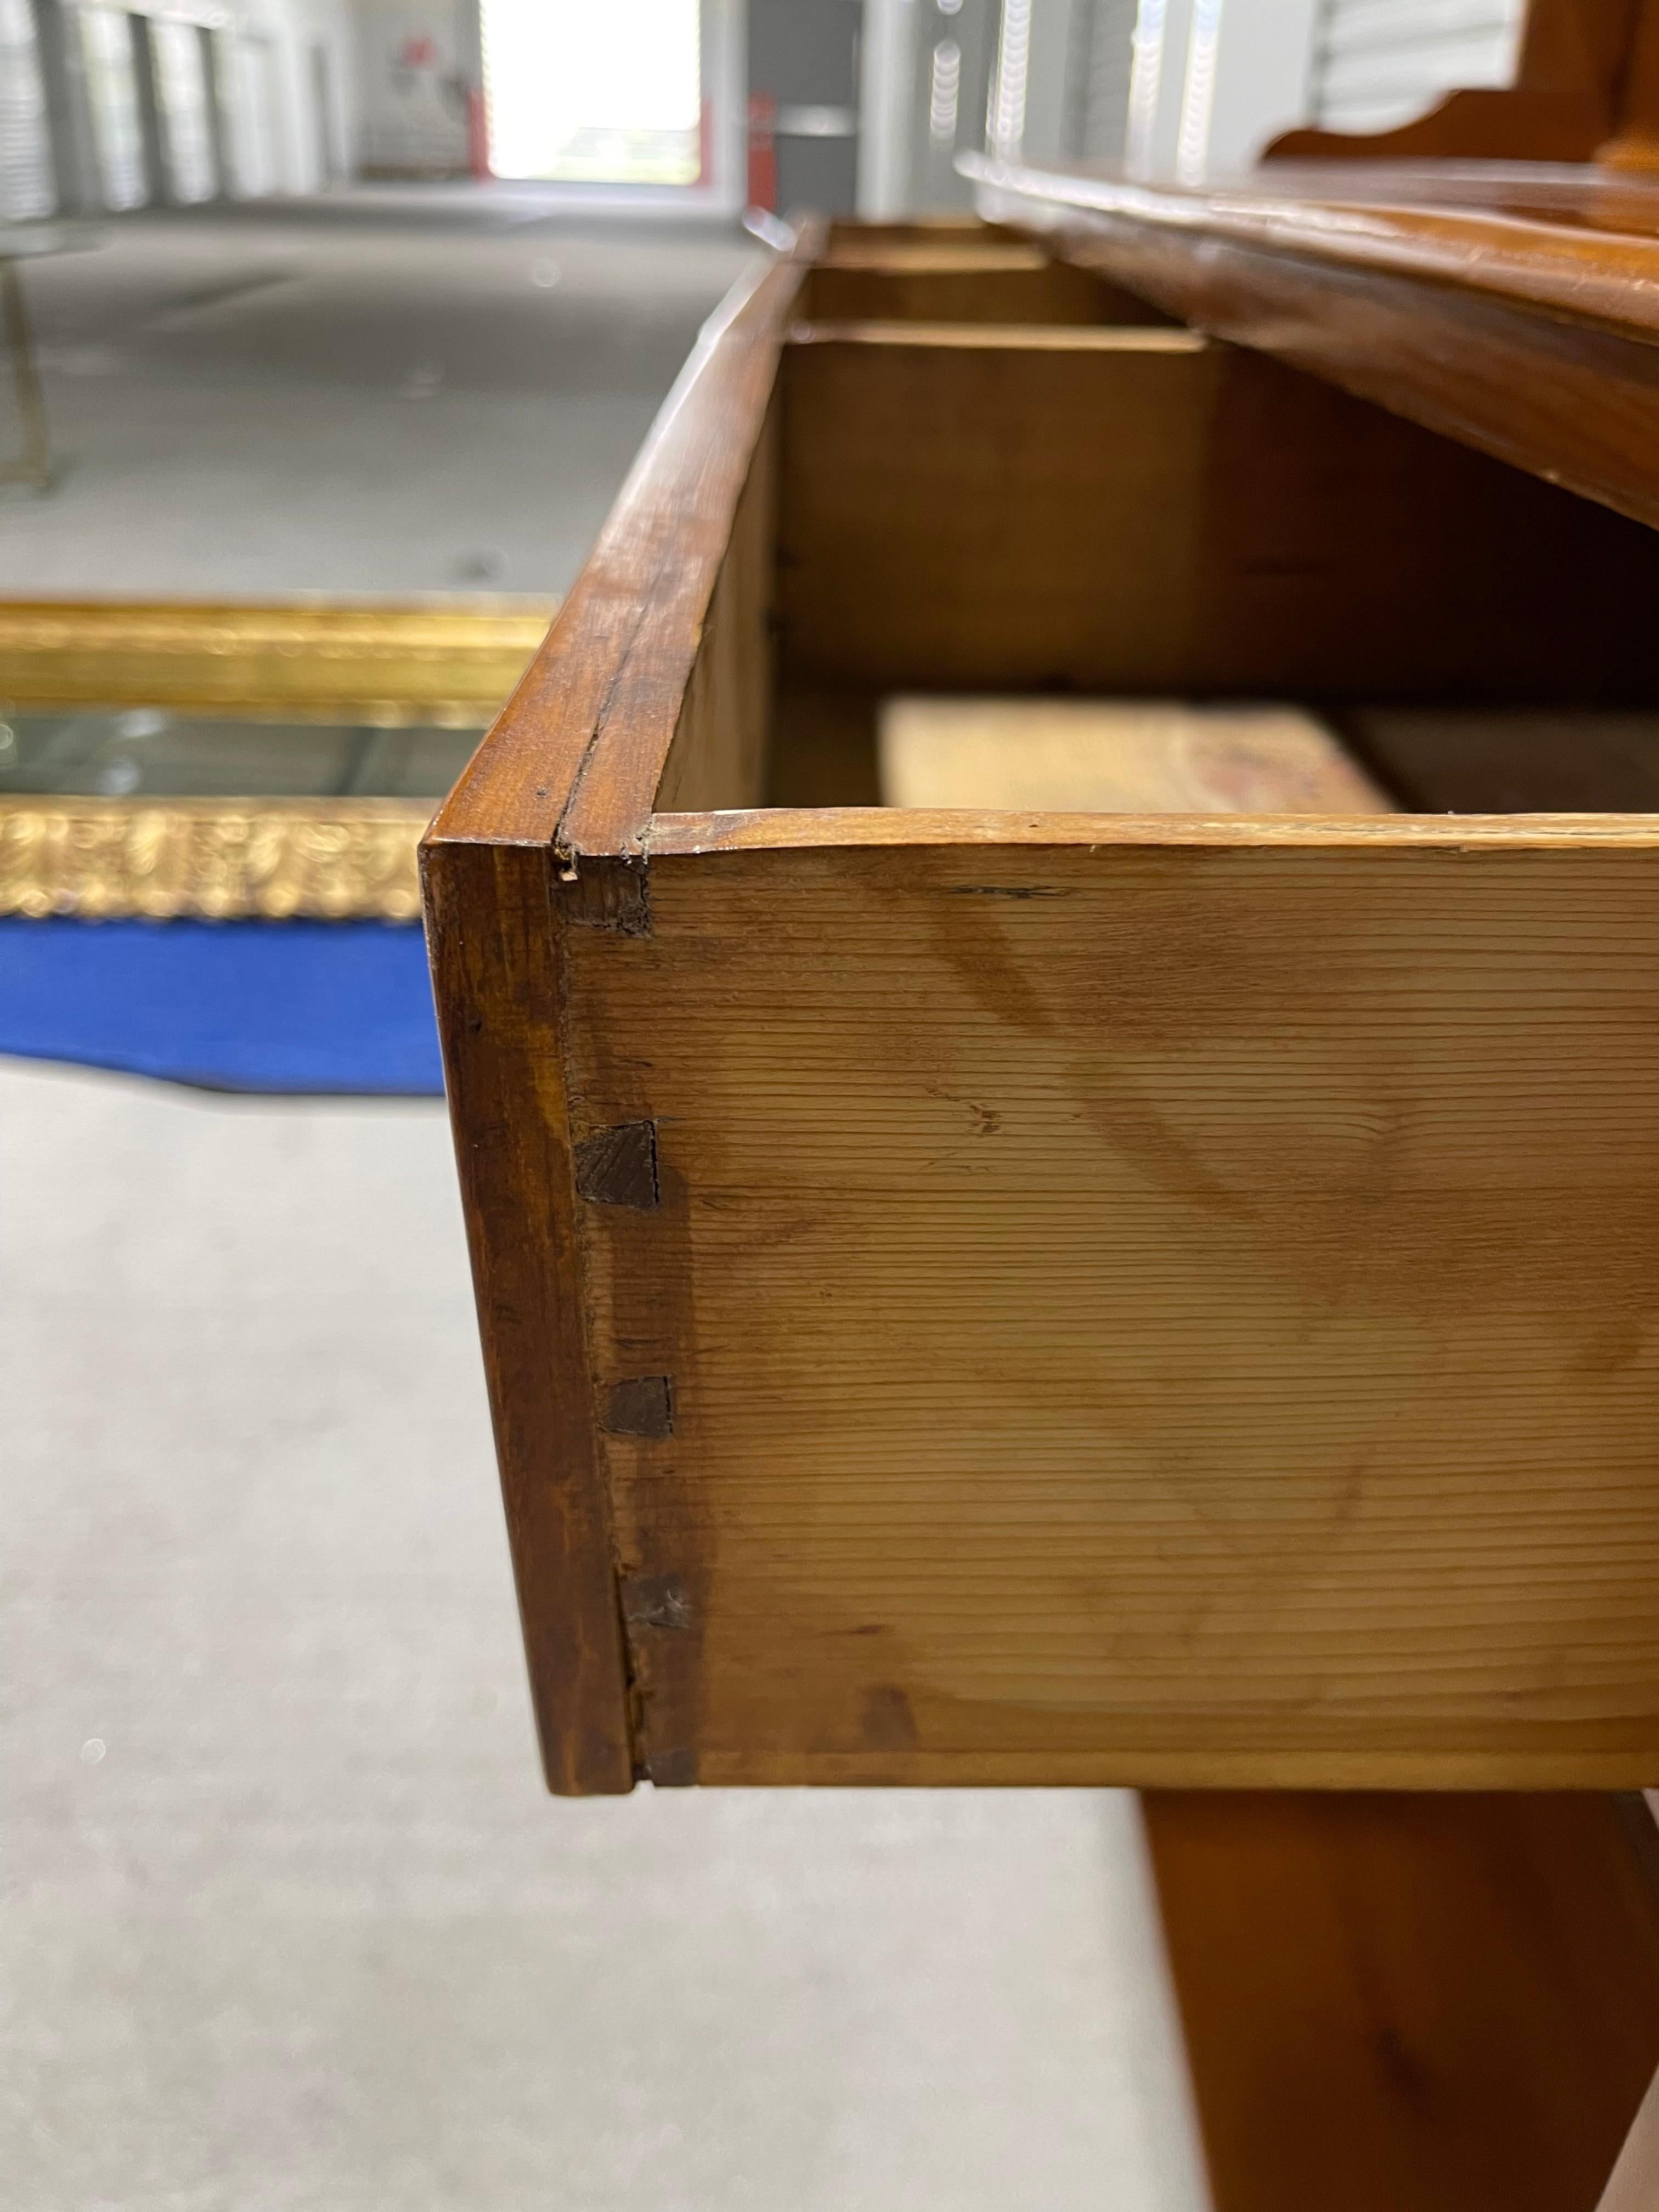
(1514, 306)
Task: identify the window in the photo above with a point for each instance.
(587, 94)
(25, 186)
(181, 100)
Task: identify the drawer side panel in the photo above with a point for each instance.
(1155, 1314)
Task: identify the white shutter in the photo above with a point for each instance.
(26, 179)
(113, 94)
(1107, 57)
(249, 80)
(181, 98)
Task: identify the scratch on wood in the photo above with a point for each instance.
(656, 1601)
(1007, 891)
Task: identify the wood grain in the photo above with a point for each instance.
(1115, 757)
(959, 518)
(717, 754)
(585, 739)
(832, 830)
(1516, 313)
(1449, 2003)
(616, 664)
(497, 979)
(1635, 144)
(1169, 1311)
(994, 1296)
(1004, 338)
(1574, 238)
(995, 284)
(1568, 95)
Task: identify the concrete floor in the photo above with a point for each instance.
(287, 1924)
(389, 391)
(287, 1921)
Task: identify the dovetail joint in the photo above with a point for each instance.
(619, 1166)
(641, 1405)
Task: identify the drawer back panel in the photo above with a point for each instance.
(1141, 509)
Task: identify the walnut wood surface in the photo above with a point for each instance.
(496, 960)
(1513, 308)
(618, 662)
(1573, 92)
(1440, 2003)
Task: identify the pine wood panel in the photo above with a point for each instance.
(1169, 1311)
(1105, 757)
(1008, 284)
(1158, 514)
(1449, 2003)
(824, 750)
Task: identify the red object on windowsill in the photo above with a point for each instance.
(762, 151)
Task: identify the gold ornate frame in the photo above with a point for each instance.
(449, 663)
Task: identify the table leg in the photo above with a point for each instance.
(35, 466)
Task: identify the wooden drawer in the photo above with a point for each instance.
(978, 1296)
